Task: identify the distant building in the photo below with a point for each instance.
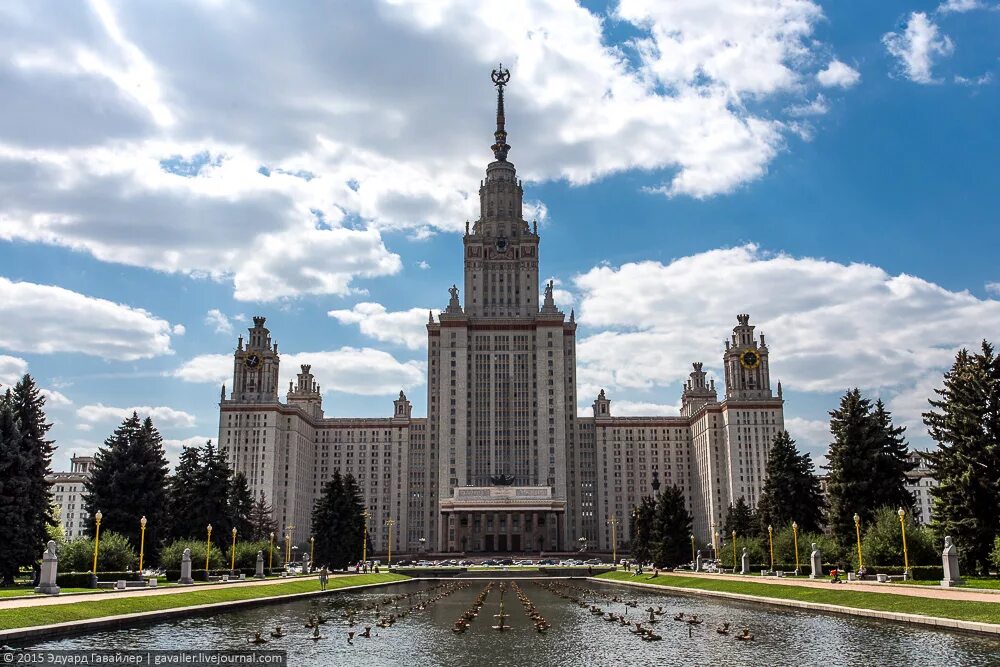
(67, 492)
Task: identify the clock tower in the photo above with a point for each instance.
(748, 375)
(255, 366)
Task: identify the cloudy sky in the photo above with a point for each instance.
(168, 170)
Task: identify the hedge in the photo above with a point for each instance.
(917, 572)
(173, 576)
(82, 579)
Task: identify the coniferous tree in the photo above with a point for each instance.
(791, 491)
(337, 523)
(892, 461)
(240, 505)
(261, 519)
(28, 405)
(129, 481)
(185, 499)
(214, 491)
(741, 518)
(14, 531)
(965, 422)
(641, 530)
(671, 529)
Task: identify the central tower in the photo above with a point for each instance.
(501, 387)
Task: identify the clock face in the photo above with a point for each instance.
(501, 244)
(252, 361)
(749, 359)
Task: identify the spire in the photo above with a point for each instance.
(500, 78)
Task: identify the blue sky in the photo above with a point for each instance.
(168, 171)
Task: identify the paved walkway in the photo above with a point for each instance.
(44, 600)
(935, 592)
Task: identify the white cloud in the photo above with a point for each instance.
(810, 435)
(173, 446)
(162, 416)
(817, 107)
(832, 326)
(404, 327)
(563, 298)
(83, 426)
(219, 322)
(45, 319)
(12, 369)
(282, 181)
(55, 399)
(365, 371)
(960, 6)
(178, 330)
(641, 408)
(993, 288)
(917, 47)
(838, 74)
(423, 265)
(981, 80)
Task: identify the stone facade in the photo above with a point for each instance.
(502, 462)
(67, 493)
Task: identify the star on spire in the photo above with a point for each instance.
(500, 77)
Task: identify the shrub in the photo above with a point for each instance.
(882, 542)
(115, 554)
(170, 555)
(246, 555)
(82, 579)
(995, 554)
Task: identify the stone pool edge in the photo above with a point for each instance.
(136, 618)
(977, 627)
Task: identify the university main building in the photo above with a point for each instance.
(502, 462)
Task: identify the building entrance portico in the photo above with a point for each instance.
(502, 519)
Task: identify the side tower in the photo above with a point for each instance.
(255, 367)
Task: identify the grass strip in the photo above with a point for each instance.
(962, 610)
(25, 617)
(27, 590)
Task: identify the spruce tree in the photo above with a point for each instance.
(129, 481)
(671, 529)
(852, 487)
(741, 518)
(641, 530)
(892, 462)
(28, 405)
(213, 488)
(185, 499)
(337, 523)
(14, 531)
(791, 490)
(261, 520)
(965, 422)
(240, 506)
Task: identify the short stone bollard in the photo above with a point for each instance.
(120, 585)
(259, 574)
(186, 568)
(225, 577)
(949, 559)
(851, 576)
(50, 567)
(881, 578)
(745, 562)
(152, 582)
(815, 563)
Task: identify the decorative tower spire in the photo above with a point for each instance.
(500, 78)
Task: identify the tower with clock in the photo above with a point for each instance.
(255, 366)
(745, 361)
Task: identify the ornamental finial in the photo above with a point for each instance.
(500, 77)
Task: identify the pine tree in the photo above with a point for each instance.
(185, 499)
(740, 519)
(892, 462)
(791, 491)
(14, 531)
(965, 422)
(28, 405)
(240, 505)
(261, 520)
(671, 529)
(641, 530)
(129, 481)
(337, 523)
(852, 487)
(213, 488)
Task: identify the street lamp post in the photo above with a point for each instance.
(97, 538)
(795, 537)
(142, 541)
(613, 522)
(312, 550)
(906, 554)
(390, 522)
(208, 548)
(364, 545)
(232, 560)
(288, 542)
(770, 543)
(857, 531)
(694, 562)
(734, 552)
(270, 553)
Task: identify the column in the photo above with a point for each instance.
(482, 531)
(534, 531)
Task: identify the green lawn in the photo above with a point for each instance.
(27, 590)
(985, 612)
(77, 611)
(992, 583)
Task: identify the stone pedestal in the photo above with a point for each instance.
(186, 568)
(306, 564)
(745, 563)
(50, 565)
(697, 562)
(815, 563)
(259, 574)
(949, 559)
